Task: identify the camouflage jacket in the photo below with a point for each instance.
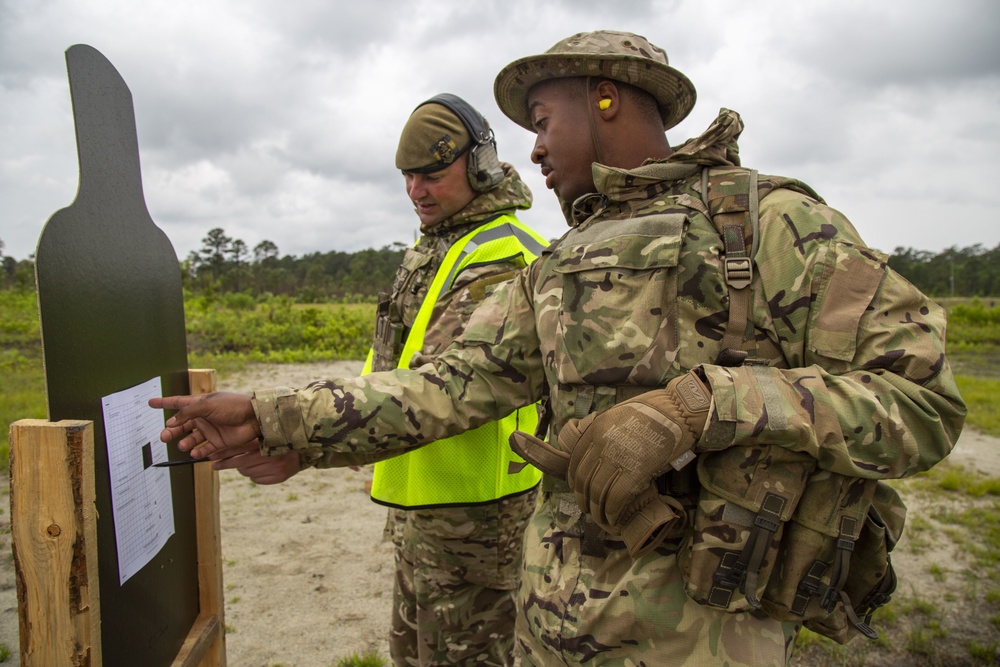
(630, 296)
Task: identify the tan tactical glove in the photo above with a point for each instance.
(643, 521)
(617, 454)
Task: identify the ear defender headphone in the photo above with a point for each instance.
(485, 172)
(604, 104)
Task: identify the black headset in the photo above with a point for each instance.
(485, 172)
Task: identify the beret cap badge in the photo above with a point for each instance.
(443, 150)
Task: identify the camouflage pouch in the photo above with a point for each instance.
(396, 310)
(834, 565)
(747, 496)
(771, 533)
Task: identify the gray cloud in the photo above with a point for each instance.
(914, 43)
(280, 121)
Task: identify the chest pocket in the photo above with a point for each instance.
(619, 300)
(398, 309)
(409, 288)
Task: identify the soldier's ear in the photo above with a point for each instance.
(607, 100)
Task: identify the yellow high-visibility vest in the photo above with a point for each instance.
(477, 466)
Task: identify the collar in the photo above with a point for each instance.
(715, 147)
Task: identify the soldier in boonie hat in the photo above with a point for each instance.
(621, 56)
(696, 310)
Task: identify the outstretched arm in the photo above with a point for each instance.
(483, 377)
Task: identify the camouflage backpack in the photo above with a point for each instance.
(771, 531)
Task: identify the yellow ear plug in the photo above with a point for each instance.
(604, 104)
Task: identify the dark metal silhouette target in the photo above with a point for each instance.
(112, 317)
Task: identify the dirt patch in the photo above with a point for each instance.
(308, 577)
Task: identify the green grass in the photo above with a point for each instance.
(22, 395)
(225, 333)
(982, 396)
(985, 522)
(951, 478)
(365, 660)
(276, 330)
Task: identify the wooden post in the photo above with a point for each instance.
(54, 540)
(207, 639)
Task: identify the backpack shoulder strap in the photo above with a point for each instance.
(732, 199)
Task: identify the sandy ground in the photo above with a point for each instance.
(307, 575)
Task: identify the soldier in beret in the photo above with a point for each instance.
(702, 376)
(456, 521)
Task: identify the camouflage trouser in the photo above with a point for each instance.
(615, 611)
(456, 571)
(441, 619)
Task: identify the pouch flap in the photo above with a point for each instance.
(746, 475)
(647, 242)
(830, 497)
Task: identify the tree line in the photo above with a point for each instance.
(225, 265)
(960, 272)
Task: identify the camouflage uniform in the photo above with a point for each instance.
(853, 371)
(629, 297)
(456, 567)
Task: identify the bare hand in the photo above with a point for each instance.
(209, 423)
(259, 468)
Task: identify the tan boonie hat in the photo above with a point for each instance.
(432, 139)
(609, 54)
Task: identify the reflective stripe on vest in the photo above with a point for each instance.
(477, 466)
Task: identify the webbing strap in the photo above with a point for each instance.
(584, 401)
(863, 627)
(735, 225)
(742, 568)
(727, 577)
(879, 596)
(809, 587)
(738, 273)
(841, 563)
(766, 525)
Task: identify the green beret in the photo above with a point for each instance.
(432, 138)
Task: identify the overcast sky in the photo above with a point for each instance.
(279, 120)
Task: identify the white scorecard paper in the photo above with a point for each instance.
(140, 493)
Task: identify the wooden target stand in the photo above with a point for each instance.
(112, 317)
(54, 537)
